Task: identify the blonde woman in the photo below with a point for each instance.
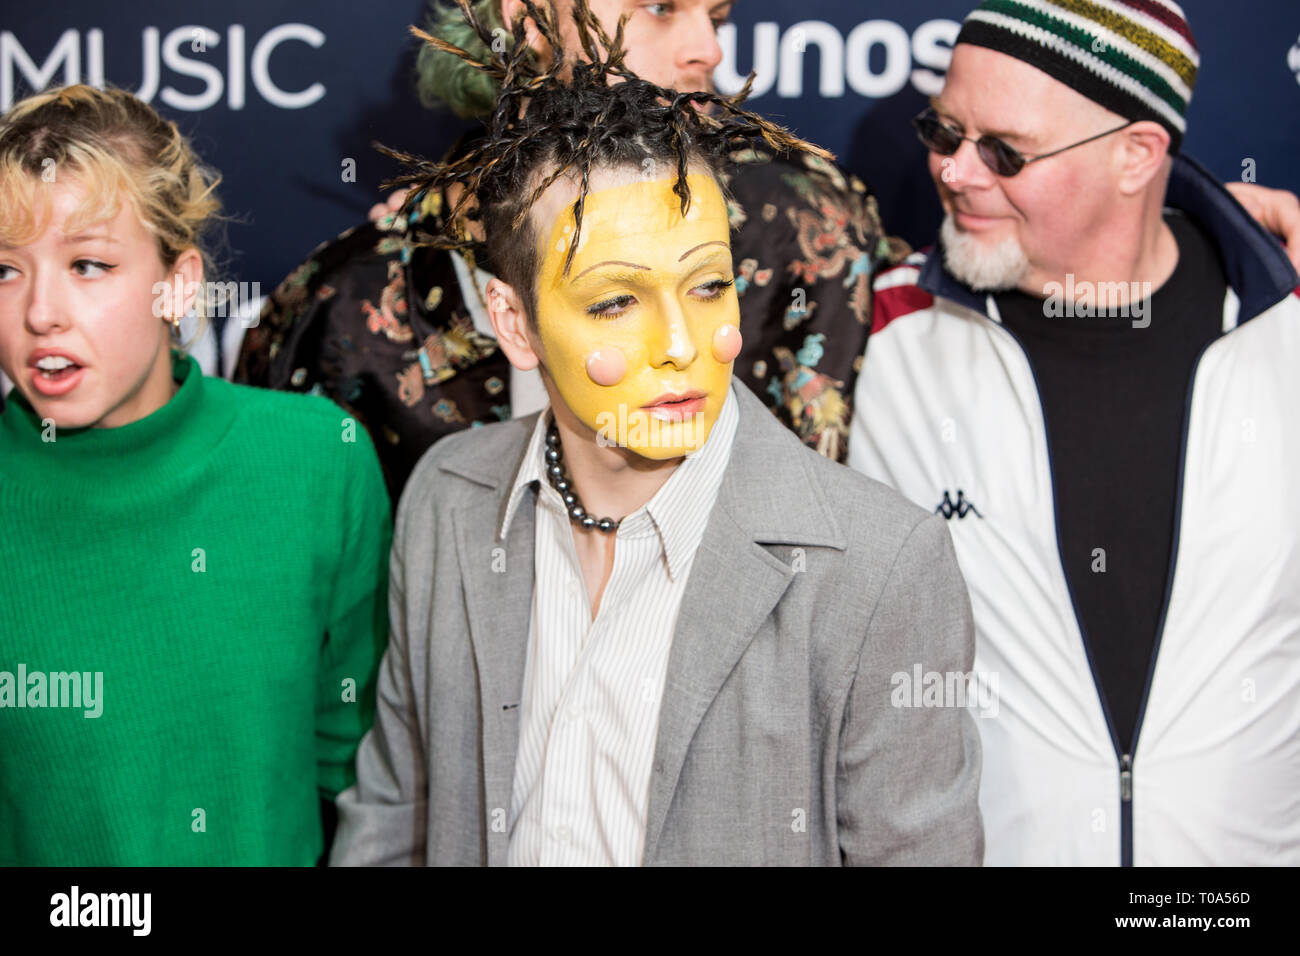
(193, 597)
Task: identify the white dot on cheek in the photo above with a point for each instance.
(561, 245)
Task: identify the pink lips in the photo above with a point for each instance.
(63, 381)
(675, 408)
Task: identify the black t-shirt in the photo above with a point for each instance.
(1114, 395)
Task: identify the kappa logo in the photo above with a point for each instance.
(959, 508)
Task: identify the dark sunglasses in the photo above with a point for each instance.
(938, 137)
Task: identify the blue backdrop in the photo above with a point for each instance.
(280, 94)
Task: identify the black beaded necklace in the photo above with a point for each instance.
(555, 474)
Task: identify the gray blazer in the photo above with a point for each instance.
(777, 740)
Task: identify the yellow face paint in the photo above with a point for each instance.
(652, 286)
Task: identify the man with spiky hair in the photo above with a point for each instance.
(647, 625)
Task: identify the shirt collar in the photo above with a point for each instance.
(679, 510)
(531, 470)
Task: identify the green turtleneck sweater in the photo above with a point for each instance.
(215, 575)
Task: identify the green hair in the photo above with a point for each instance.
(444, 80)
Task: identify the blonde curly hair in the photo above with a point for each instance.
(116, 146)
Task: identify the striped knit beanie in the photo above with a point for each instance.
(1137, 58)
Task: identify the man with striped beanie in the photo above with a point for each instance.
(1092, 377)
(1137, 58)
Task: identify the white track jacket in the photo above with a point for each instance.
(948, 412)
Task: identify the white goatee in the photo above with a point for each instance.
(983, 267)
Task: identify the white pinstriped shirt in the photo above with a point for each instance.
(589, 716)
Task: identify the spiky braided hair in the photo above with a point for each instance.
(574, 115)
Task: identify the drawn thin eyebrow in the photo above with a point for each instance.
(608, 262)
(711, 242)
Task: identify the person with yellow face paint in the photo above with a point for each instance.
(647, 625)
(399, 336)
(635, 340)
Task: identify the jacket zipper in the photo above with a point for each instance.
(1126, 808)
(1125, 756)
(1126, 803)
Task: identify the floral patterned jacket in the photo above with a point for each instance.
(377, 322)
